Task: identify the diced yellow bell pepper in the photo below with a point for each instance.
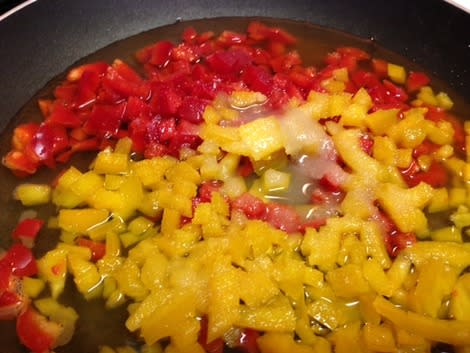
(405, 206)
(274, 342)
(347, 281)
(381, 121)
(32, 287)
(379, 338)
(456, 332)
(81, 220)
(53, 268)
(243, 99)
(460, 299)
(261, 137)
(396, 73)
(108, 162)
(32, 194)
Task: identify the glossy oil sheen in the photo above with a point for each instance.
(96, 325)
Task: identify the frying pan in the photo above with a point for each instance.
(48, 36)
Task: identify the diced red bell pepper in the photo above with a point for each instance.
(11, 304)
(185, 53)
(229, 38)
(27, 230)
(66, 92)
(283, 217)
(165, 100)
(36, 332)
(258, 79)
(20, 163)
(207, 188)
(192, 109)
(49, 140)
(436, 176)
(64, 116)
(247, 341)
(366, 143)
(125, 87)
(397, 241)
(245, 167)
(98, 249)
(160, 53)
(395, 91)
(425, 148)
(87, 89)
(105, 120)
(354, 52)
(380, 67)
(416, 80)
(20, 260)
(250, 205)
(216, 346)
(23, 134)
(229, 62)
(189, 35)
(76, 73)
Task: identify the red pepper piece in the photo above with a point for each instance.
(367, 143)
(11, 304)
(354, 52)
(105, 120)
(160, 53)
(216, 346)
(36, 332)
(185, 53)
(250, 205)
(425, 148)
(66, 92)
(123, 87)
(192, 109)
(436, 176)
(395, 91)
(396, 241)
(189, 35)
(207, 188)
(23, 134)
(98, 249)
(20, 163)
(166, 99)
(380, 67)
(21, 261)
(247, 341)
(258, 79)
(64, 116)
(87, 89)
(245, 167)
(48, 141)
(27, 231)
(229, 62)
(416, 80)
(76, 73)
(228, 38)
(155, 149)
(283, 217)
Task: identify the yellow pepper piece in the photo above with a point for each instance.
(456, 332)
(81, 220)
(32, 194)
(396, 73)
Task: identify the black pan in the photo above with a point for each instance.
(46, 37)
